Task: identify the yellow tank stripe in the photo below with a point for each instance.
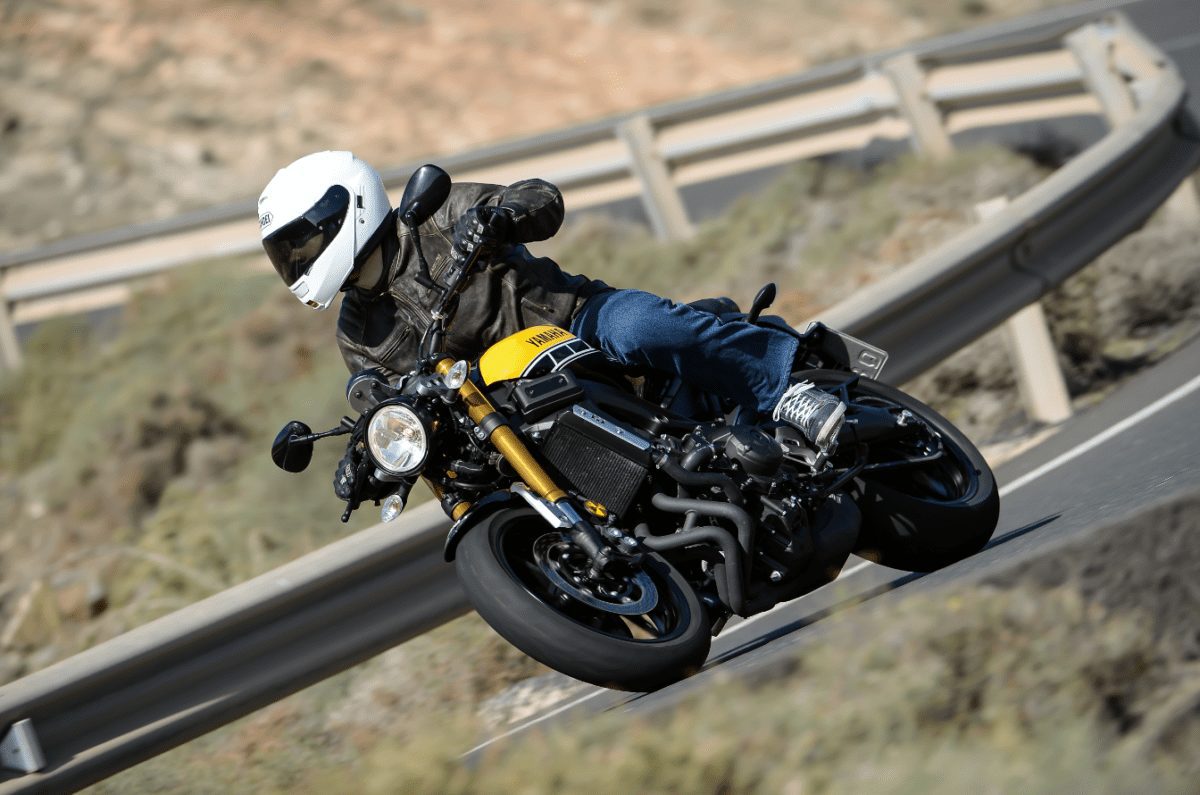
(512, 356)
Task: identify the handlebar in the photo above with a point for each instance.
(457, 279)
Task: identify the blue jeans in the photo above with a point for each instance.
(741, 361)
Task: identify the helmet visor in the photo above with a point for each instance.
(295, 247)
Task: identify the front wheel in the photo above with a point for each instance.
(635, 630)
(925, 516)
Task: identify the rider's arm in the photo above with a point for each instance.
(357, 361)
(536, 207)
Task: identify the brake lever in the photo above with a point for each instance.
(361, 473)
(442, 314)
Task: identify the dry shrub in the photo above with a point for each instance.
(1135, 304)
(820, 231)
(1074, 669)
(1037, 689)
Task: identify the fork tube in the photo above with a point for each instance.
(484, 414)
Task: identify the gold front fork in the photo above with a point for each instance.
(484, 414)
(456, 511)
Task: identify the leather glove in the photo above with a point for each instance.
(352, 476)
(345, 476)
(481, 227)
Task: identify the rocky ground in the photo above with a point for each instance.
(1137, 302)
(112, 112)
(1074, 670)
(183, 503)
(117, 111)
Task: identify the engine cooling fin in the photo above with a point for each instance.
(598, 457)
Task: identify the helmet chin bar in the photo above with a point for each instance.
(376, 238)
(310, 298)
(304, 295)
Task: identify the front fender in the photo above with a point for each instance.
(480, 511)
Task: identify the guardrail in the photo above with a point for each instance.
(971, 284)
(207, 664)
(167, 682)
(926, 93)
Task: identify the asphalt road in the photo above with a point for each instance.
(1135, 447)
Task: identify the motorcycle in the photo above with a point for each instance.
(609, 523)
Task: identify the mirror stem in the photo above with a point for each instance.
(423, 278)
(312, 437)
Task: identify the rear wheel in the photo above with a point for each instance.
(925, 516)
(638, 629)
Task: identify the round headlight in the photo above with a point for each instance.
(397, 439)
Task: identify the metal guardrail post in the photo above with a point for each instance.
(20, 750)
(176, 678)
(660, 195)
(1093, 52)
(1119, 98)
(929, 136)
(1035, 360)
(1034, 356)
(10, 351)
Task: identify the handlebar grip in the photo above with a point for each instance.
(457, 271)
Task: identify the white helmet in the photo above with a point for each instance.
(318, 217)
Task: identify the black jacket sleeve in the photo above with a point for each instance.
(383, 328)
(536, 206)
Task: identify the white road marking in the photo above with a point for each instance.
(1133, 419)
(587, 697)
(1029, 477)
(537, 720)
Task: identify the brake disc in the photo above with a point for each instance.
(553, 551)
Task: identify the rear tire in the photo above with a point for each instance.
(924, 517)
(497, 566)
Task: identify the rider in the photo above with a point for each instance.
(327, 226)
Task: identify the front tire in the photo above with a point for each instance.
(925, 517)
(502, 565)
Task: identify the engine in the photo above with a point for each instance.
(618, 451)
(756, 462)
(592, 451)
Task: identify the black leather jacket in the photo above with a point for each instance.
(382, 326)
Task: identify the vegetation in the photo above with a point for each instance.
(1015, 689)
(141, 459)
(1076, 671)
(136, 462)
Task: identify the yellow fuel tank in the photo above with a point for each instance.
(534, 351)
